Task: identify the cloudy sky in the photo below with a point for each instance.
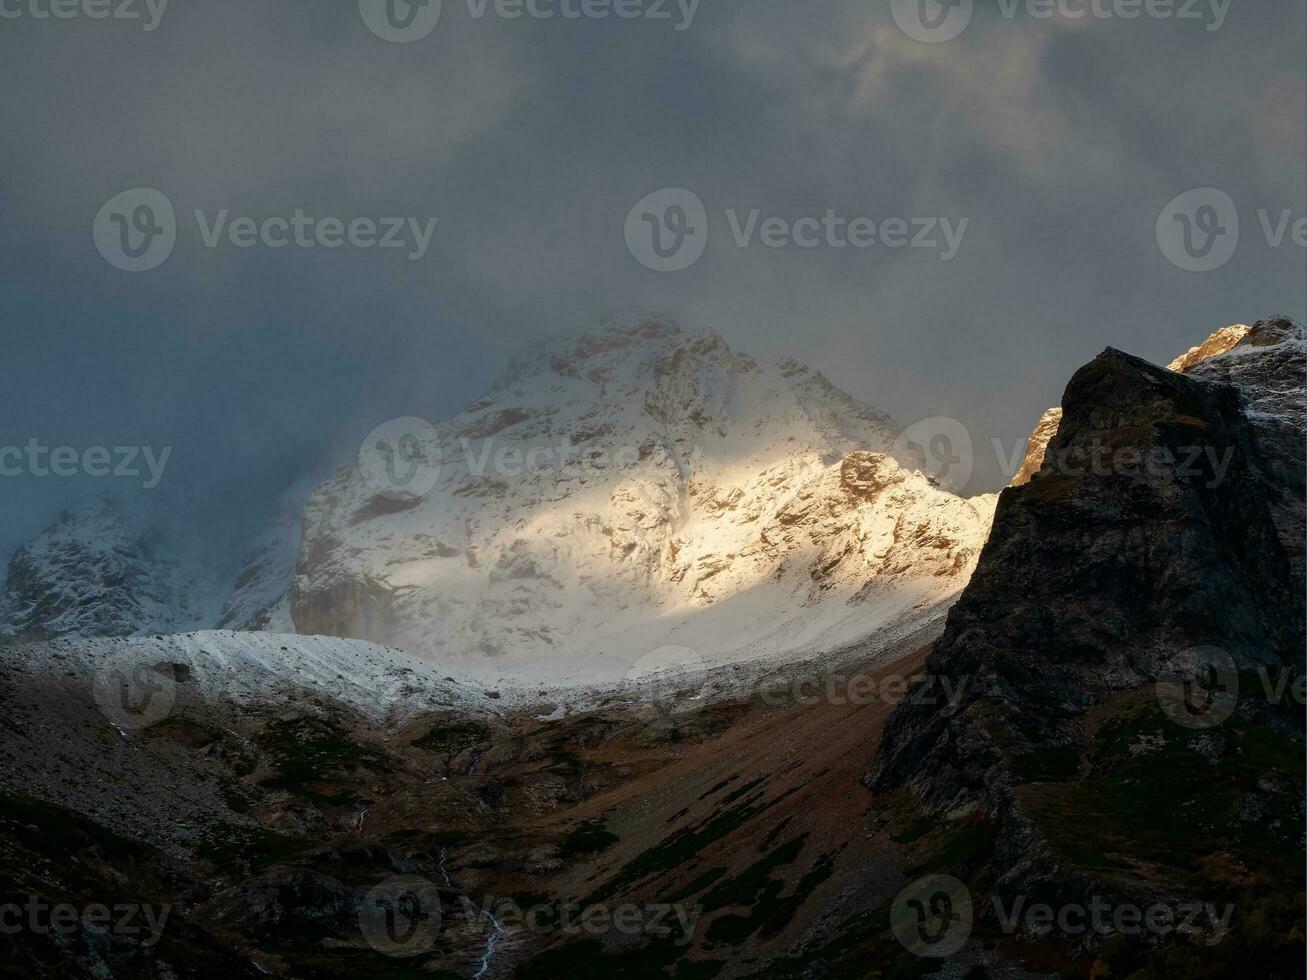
(1059, 140)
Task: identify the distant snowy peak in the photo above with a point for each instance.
(100, 570)
(630, 487)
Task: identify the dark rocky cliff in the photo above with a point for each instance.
(1163, 532)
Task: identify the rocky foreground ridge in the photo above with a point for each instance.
(1159, 543)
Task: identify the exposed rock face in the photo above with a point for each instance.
(1035, 449)
(98, 571)
(1167, 516)
(1218, 343)
(632, 487)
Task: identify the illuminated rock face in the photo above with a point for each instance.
(1218, 343)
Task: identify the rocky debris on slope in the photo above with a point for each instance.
(631, 476)
(100, 571)
(1170, 522)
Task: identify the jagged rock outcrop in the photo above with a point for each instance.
(1167, 516)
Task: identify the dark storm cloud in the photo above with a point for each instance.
(530, 141)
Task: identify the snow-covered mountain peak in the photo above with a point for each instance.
(632, 486)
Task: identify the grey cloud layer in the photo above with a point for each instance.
(530, 140)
